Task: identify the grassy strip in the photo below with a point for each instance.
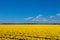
(29, 23)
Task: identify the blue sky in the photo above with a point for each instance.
(24, 11)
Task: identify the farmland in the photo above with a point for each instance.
(29, 32)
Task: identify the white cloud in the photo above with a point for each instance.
(45, 20)
(35, 19)
(41, 19)
(51, 16)
(39, 16)
(29, 18)
(57, 21)
(58, 14)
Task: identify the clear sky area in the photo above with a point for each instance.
(29, 11)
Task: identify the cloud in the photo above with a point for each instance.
(39, 16)
(35, 19)
(58, 14)
(28, 18)
(45, 20)
(51, 17)
(42, 19)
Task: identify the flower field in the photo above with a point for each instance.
(29, 32)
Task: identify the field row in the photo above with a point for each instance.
(26, 36)
(29, 32)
